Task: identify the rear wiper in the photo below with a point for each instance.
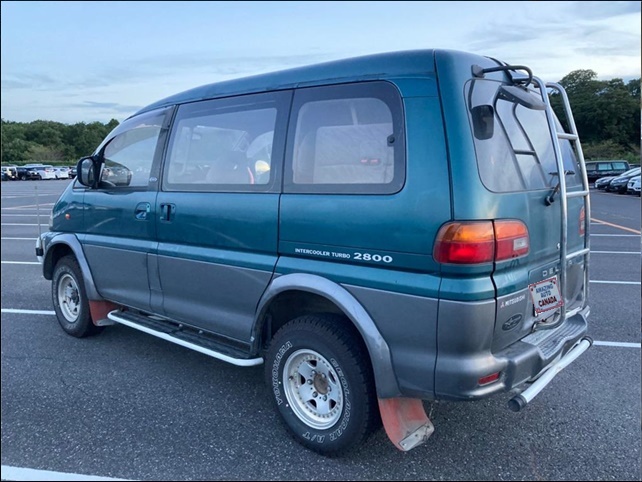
(550, 199)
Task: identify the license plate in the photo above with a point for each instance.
(546, 295)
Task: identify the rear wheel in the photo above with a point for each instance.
(70, 300)
(322, 385)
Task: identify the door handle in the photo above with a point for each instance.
(167, 212)
(142, 210)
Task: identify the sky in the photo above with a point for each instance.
(86, 61)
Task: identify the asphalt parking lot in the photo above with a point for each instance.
(127, 405)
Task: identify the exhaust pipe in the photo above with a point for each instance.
(518, 402)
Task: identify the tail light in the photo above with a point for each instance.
(477, 242)
(582, 221)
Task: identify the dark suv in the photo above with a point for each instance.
(27, 173)
(598, 169)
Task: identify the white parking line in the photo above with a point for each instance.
(27, 312)
(616, 252)
(21, 473)
(21, 262)
(617, 343)
(617, 235)
(602, 282)
(23, 224)
(22, 215)
(34, 206)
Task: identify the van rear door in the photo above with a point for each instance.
(516, 160)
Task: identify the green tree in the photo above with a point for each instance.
(604, 110)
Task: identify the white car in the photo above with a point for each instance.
(62, 172)
(45, 171)
(633, 187)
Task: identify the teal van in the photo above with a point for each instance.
(376, 231)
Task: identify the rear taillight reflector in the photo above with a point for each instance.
(477, 242)
(489, 379)
(512, 239)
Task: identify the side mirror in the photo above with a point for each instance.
(86, 171)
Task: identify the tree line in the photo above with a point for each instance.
(51, 142)
(606, 113)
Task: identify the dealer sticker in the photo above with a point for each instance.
(546, 295)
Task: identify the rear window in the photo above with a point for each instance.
(513, 144)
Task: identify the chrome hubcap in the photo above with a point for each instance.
(69, 298)
(313, 389)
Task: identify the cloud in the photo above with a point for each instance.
(587, 36)
(154, 69)
(28, 80)
(110, 106)
(603, 10)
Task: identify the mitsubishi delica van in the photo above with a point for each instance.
(375, 231)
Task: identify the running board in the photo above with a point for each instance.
(189, 338)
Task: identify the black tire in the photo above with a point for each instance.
(319, 353)
(70, 299)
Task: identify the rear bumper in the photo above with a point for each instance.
(458, 374)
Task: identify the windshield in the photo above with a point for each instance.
(512, 141)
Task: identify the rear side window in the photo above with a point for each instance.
(226, 144)
(605, 166)
(620, 165)
(513, 144)
(346, 139)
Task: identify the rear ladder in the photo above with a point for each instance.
(565, 256)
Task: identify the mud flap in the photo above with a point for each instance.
(405, 422)
(99, 310)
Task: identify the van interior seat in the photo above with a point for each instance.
(353, 154)
(230, 168)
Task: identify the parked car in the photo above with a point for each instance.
(72, 172)
(27, 173)
(619, 183)
(45, 171)
(598, 169)
(10, 173)
(291, 219)
(61, 172)
(633, 187)
(602, 182)
(5, 177)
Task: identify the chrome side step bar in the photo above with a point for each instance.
(241, 362)
(520, 401)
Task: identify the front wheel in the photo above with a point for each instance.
(322, 385)
(70, 300)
